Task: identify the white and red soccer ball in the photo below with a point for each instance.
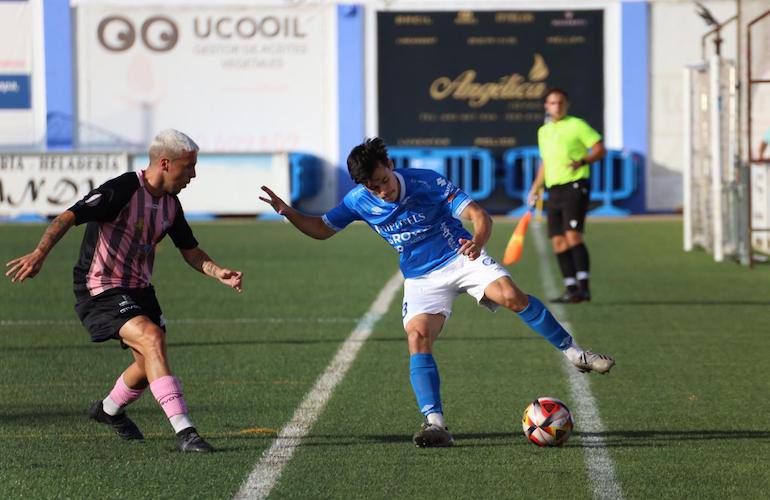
(547, 422)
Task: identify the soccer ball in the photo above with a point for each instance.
(547, 422)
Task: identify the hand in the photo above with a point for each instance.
(469, 248)
(233, 279)
(274, 201)
(532, 197)
(577, 163)
(25, 267)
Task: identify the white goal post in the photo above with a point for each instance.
(714, 180)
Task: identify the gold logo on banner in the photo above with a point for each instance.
(466, 17)
(513, 86)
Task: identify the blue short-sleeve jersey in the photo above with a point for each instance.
(422, 226)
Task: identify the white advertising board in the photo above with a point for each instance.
(48, 184)
(22, 106)
(230, 184)
(235, 78)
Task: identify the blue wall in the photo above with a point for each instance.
(59, 80)
(350, 50)
(635, 88)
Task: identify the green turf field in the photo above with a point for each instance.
(685, 409)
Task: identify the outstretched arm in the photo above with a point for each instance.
(482, 229)
(29, 265)
(200, 261)
(309, 224)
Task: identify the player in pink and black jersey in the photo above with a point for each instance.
(127, 217)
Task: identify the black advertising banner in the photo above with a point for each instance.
(474, 78)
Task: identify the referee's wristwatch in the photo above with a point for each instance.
(583, 161)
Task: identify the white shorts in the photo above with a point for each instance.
(434, 293)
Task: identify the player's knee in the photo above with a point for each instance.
(573, 239)
(151, 342)
(418, 332)
(515, 300)
(419, 337)
(559, 244)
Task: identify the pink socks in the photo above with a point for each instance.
(168, 391)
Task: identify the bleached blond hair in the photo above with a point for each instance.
(171, 143)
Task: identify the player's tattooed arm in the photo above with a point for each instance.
(209, 268)
(200, 261)
(60, 225)
(28, 266)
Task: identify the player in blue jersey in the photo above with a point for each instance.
(418, 212)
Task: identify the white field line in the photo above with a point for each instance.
(182, 321)
(601, 469)
(267, 471)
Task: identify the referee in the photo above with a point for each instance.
(568, 146)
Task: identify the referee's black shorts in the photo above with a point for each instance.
(567, 207)
(103, 315)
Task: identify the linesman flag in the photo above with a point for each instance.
(516, 243)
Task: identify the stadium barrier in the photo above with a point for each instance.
(306, 176)
(612, 180)
(472, 169)
(35, 186)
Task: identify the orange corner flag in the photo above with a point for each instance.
(516, 243)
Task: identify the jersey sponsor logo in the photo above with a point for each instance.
(401, 223)
(446, 232)
(407, 238)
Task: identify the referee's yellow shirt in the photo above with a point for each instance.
(561, 142)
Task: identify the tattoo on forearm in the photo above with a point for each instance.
(53, 234)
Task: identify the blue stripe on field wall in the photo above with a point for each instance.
(350, 56)
(58, 72)
(635, 88)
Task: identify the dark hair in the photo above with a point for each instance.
(556, 90)
(365, 158)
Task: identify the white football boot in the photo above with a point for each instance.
(589, 361)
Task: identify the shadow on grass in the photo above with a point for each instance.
(656, 438)
(587, 439)
(465, 440)
(691, 302)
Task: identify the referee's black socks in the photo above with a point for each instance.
(581, 263)
(567, 266)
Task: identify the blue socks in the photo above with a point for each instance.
(425, 382)
(542, 321)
